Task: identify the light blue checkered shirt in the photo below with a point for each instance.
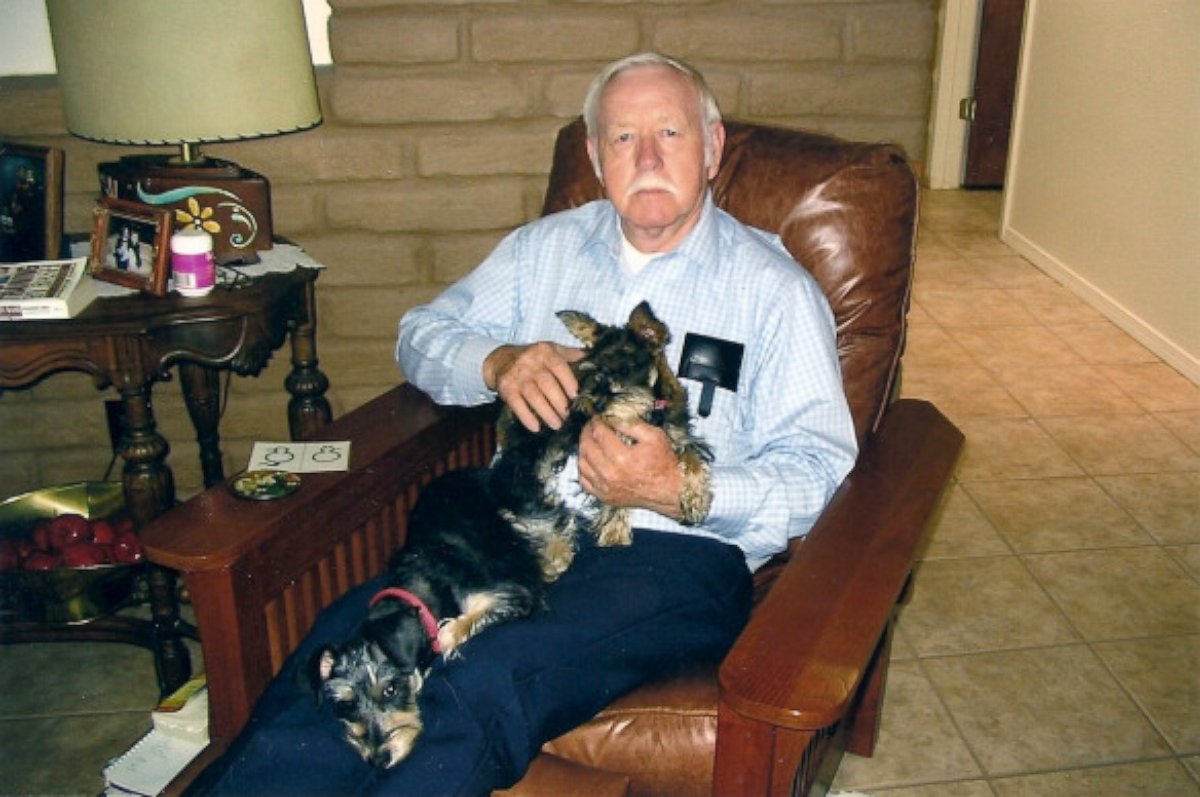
(783, 441)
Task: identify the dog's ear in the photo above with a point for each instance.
(320, 668)
(581, 325)
(395, 628)
(646, 326)
(325, 663)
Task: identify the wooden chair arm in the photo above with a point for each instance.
(401, 429)
(800, 660)
(259, 572)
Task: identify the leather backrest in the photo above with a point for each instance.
(846, 211)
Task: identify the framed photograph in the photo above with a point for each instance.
(131, 244)
(31, 202)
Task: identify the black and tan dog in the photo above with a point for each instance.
(462, 563)
(483, 543)
(623, 378)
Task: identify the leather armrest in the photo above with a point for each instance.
(807, 646)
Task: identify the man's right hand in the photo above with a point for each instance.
(535, 381)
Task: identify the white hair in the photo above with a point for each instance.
(709, 112)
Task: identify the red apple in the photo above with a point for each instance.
(123, 524)
(84, 554)
(103, 531)
(41, 535)
(67, 530)
(24, 548)
(127, 549)
(42, 560)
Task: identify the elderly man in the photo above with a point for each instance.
(782, 438)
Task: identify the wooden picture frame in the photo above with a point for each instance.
(31, 202)
(131, 244)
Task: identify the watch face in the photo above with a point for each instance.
(265, 485)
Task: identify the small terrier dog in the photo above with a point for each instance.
(623, 378)
(483, 542)
(463, 562)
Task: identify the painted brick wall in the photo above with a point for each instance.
(439, 121)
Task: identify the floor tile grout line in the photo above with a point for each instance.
(1117, 762)
(1116, 499)
(950, 715)
(68, 715)
(1136, 701)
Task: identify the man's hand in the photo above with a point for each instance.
(535, 381)
(643, 475)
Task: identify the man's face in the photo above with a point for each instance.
(650, 152)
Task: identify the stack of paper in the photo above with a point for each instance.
(178, 734)
(185, 713)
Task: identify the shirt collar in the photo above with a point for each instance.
(700, 243)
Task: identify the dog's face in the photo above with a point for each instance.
(624, 368)
(372, 683)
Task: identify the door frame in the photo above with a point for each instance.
(954, 75)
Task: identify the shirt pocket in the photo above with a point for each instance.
(721, 427)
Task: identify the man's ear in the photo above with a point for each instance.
(716, 147)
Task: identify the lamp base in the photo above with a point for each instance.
(231, 203)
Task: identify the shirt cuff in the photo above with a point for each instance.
(468, 371)
(730, 511)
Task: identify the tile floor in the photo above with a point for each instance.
(1052, 646)
(66, 708)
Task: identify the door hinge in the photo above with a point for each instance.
(966, 109)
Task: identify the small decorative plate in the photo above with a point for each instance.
(265, 485)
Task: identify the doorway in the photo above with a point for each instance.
(979, 40)
(990, 107)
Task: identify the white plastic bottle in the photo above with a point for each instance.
(192, 262)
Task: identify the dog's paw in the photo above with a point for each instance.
(695, 499)
(557, 555)
(613, 529)
(399, 743)
(452, 632)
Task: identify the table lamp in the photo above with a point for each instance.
(185, 73)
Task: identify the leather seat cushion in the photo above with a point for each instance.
(551, 776)
(663, 733)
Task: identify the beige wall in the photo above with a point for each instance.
(1103, 188)
(439, 122)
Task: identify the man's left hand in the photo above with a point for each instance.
(633, 468)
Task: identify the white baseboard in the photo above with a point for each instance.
(1179, 359)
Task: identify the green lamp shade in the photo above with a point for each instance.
(176, 71)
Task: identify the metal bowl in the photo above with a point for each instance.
(65, 595)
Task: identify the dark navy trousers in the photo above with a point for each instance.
(617, 618)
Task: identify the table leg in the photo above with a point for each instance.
(149, 483)
(150, 491)
(201, 388)
(172, 662)
(308, 409)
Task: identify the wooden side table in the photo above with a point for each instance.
(131, 342)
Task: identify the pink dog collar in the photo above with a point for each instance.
(427, 619)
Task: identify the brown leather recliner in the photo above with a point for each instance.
(805, 679)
